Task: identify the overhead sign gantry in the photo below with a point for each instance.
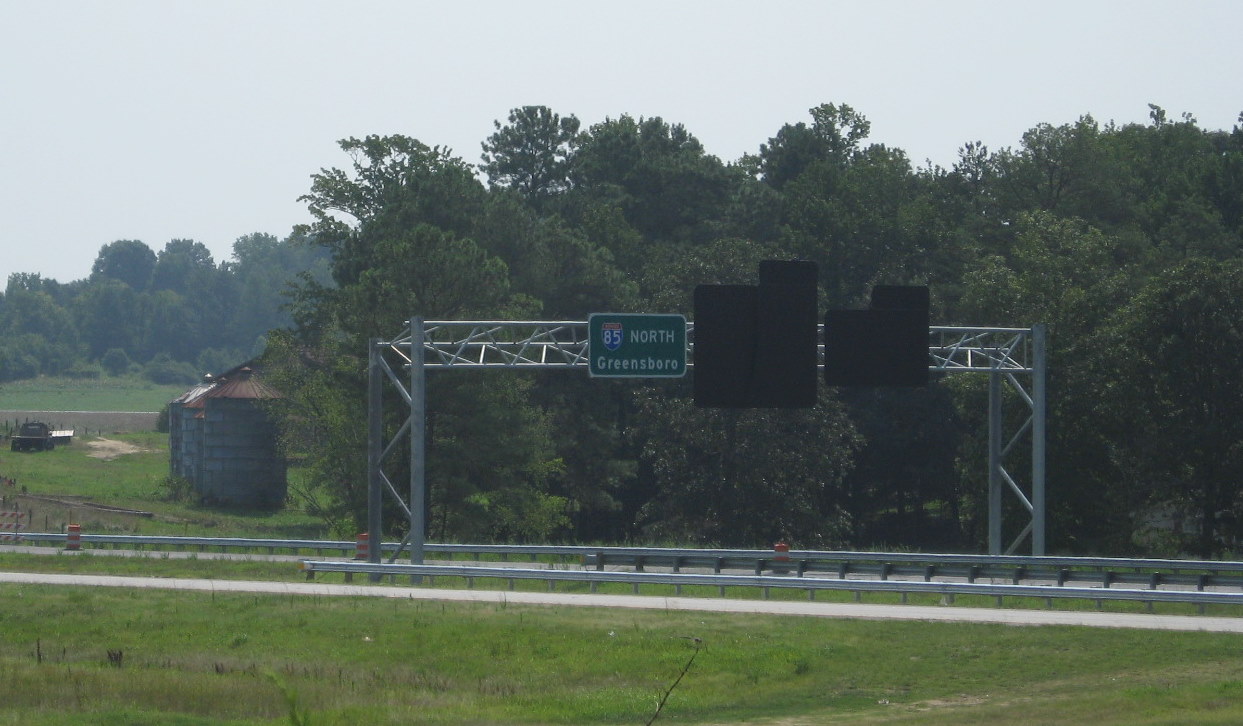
(1013, 358)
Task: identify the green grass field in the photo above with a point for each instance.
(73, 655)
(70, 394)
(57, 487)
(234, 659)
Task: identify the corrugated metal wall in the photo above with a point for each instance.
(241, 464)
(226, 447)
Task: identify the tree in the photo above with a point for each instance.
(115, 362)
(669, 284)
(406, 251)
(33, 282)
(1058, 168)
(551, 264)
(47, 331)
(859, 212)
(128, 261)
(399, 177)
(1173, 175)
(111, 315)
(864, 223)
(501, 491)
(425, 271)
(1065, 274)
(1226, 180)
(265, 272)
(320, 414)
(632, 213)
(174, 326)
(185, 267)
(21, 356)
(604, 225)
(657, 173)
(833, 138)
(902, 489)
(395, 229)
(745, 477)
(164, 370)
(531, 153)
(1180, 400)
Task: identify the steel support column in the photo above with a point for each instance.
(1040, 408)
(418, 445)
(375, 442)
(995, 469)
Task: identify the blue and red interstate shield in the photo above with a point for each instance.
(611, 335)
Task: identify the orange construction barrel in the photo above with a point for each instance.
(781, 558)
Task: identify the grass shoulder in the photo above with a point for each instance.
(168, 656)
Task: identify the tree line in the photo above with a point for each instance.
(1123, 239)
(170, 316)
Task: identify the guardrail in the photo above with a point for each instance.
(203, 544)
(812, 585)
(200, 543)
(1062, 571)
(1105, 571)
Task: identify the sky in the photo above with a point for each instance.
(155, 120)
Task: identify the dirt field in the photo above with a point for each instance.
(108, 449)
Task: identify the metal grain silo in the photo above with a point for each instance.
(184, 429)
(231, 445)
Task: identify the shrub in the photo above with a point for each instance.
(16, 365)
(178, 489)
(83, 370)
(162, 369)
(116, 362)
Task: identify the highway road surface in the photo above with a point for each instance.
(768, 607)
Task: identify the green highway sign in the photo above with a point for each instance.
(636, 346)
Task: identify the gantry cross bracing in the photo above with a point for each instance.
(1014, 359)
(561, 344)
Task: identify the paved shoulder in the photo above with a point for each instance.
(647, 602)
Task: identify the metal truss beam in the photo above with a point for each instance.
(1010, 356)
